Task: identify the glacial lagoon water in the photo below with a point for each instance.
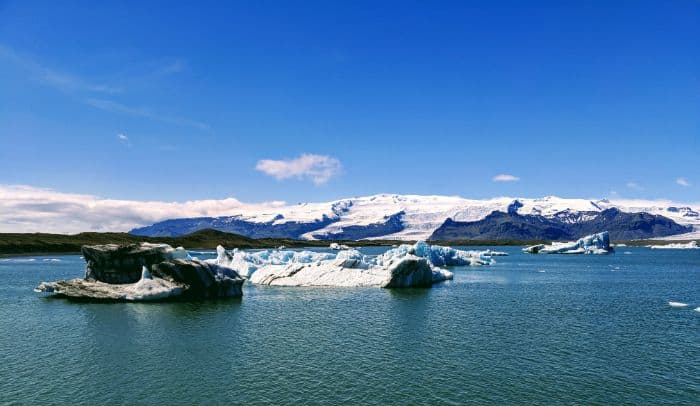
(529, 329)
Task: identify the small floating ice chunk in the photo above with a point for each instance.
(18, 260)
(677, 304)
(336, 246)
(691, 245)
(697, 309)
(490, 253)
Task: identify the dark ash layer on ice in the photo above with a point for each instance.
(143, 272)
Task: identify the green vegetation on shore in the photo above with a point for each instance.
(43, 243)
(35, 243)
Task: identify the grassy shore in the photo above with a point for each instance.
(42, 243)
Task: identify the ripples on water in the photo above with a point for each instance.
(530, 329)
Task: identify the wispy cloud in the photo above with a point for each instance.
(683, 182)
(317, 168)
(634, 186)
(504, 177)
(175, 66)
(94, 93)
(114, 107)
(62, 81)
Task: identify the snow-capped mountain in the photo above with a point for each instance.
(413, 217)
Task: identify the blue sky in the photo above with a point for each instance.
(311, 101)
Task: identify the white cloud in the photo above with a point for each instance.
(634, 186)
(505, 178)
(318, 168)
(124, 139)
(683, 182)
(30, 209)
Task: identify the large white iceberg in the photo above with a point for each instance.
(591, 244)
(403, 266)
(691, 245)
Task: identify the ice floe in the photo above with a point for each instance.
(490, 253)
(20, 260)
(592, 244)
(677, 304)
(691, 245)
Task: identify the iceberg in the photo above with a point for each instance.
(442, 256)
(336, 246)
(691, 245)
(591, 244)
(490, 253)
(415, 265)
(143, 272)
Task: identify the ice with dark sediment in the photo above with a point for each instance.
(143, 272)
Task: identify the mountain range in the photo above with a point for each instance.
(414, 217)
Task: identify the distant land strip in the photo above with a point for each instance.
(44, 243)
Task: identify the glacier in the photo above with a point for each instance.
(407, 265)
(416, 217)
(592, 244)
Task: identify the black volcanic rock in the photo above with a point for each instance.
(561, 226)
(270, 229)
(499, 225)
(236, 225)
(629, 226)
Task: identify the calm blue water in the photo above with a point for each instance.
(530, 329)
